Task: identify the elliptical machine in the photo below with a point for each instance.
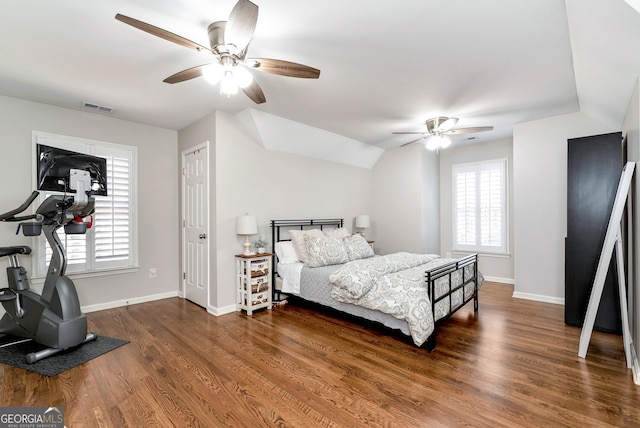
(53, 318)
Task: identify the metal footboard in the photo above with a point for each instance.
(447, 271)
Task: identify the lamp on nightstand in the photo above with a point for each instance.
(362, 223)
(247, 225)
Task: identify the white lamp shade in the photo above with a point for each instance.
(439, 141)
(445, 141)
(242, 76)
(362, 221)
(212, 73)
(228, 84)
(433, 142)
(246, 225)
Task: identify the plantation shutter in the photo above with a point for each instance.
(480, 212)
(492, 205)
(112, 228)
(465, 209)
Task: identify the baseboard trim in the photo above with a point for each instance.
(635, 366)
(538, 298)
(127, 302)
(223, 310)
(500, 280)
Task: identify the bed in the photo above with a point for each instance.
(319, 261)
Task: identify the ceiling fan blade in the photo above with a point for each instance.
(411, 132)
(254, 92)
(283, 68)
(241, 25)
(163, 34)
(415, 141)
(187, 74)
(447, 124)
(470, 130)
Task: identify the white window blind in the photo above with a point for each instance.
(110, 243)
(480, 206)
(112, 226)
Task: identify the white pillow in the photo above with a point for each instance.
(358, 248)
(297, 237)
(325, 251)
(286, 253)
(337, 233)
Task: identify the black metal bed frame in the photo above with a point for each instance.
(297, 224)
(447, 270)
(430, 275)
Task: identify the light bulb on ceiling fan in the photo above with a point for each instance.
(242, 76)
(213, 72)
(228, 84)
(439, 141)
(433, 142)
(229, 75)
(445, 141)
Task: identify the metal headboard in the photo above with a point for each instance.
(276, 236)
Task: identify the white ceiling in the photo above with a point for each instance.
(385, 66)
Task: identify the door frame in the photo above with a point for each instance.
(182, 292)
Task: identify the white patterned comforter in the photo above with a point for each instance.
(395, 284)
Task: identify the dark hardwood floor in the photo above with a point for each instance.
(515, 363)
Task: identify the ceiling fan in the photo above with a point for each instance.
(438, 129)
(229, 41)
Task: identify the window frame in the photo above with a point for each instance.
(91, 267)
(479, 247)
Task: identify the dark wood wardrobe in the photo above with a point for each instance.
(594, 168)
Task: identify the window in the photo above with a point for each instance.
(110, 243)
(480, 206)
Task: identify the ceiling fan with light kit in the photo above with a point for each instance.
(438, 131)
(229, 41)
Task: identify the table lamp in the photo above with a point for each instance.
(362, 223)
(247, 225)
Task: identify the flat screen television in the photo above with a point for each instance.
(54, 166)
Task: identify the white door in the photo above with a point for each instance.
(195, 224)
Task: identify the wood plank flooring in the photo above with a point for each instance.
(515, 363)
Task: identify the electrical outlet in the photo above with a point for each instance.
(448, 255)
(152, 272)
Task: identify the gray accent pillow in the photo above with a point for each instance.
(325, 251)
(358, 248)
(297, 237)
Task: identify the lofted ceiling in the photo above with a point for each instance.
(385, 66)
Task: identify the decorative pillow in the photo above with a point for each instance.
(358, 248)
(325, 251)
(286, 252)
(297, 237)
(337, 233)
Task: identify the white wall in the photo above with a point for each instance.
(246, 178)
(431, 222)
(404, 218)
(631, 129)
(157, 189)
(493, 267)
(540, 201)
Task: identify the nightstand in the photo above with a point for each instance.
(253, 281)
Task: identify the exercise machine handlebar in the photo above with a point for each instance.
(11, 215)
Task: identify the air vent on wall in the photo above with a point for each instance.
(97, 107)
